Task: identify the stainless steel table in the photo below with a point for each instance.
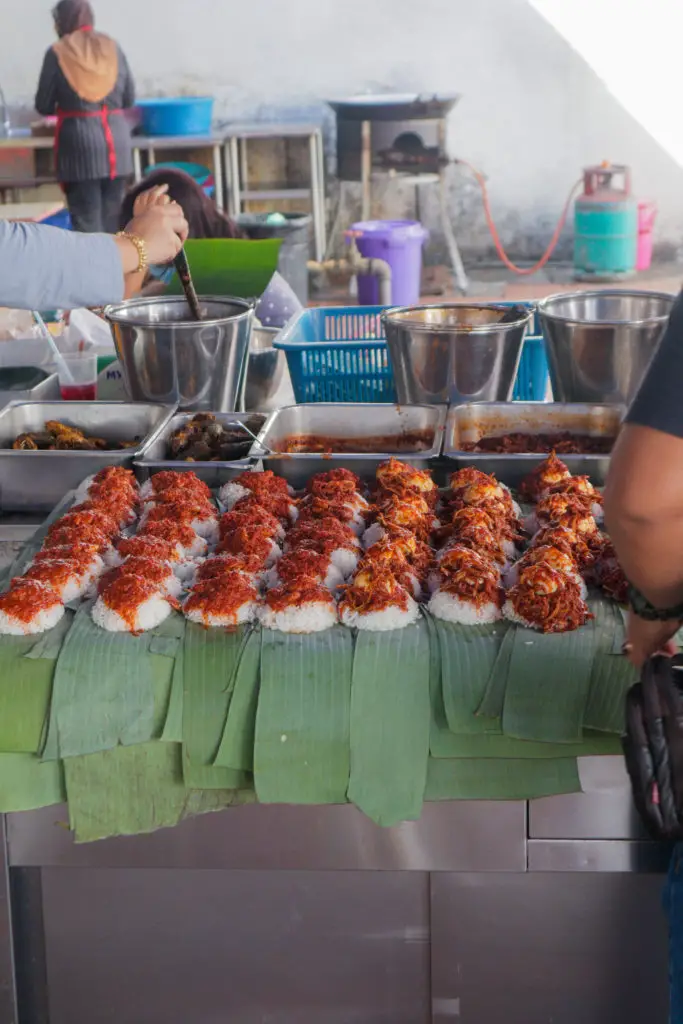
(237, 138)
(182, 143)
(484, 913)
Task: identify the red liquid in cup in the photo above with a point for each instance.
(78, 392)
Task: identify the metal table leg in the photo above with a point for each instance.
(317, 195)
(151, 158)
(8, 987)
(233, 161)
(366, 168)
(218, 176)
(453, 250)
(137, 165)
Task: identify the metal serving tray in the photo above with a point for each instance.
(348, 420)
(471, 422)
(38, 480)
(46, 390)
(153, 458)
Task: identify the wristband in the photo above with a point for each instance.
(139, 243)
(644, 609)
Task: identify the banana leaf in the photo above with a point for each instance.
(27, 783)
(109, 688)
(612, 673)
(468, 656)
(210, 661)
(301, 751)
(27, 668)
(482, 779)
(548, 685)
(390, 720)
(237, 745)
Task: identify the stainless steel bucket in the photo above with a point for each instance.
(266, 370)
(600, 344)
(455, 353)
(168, 357)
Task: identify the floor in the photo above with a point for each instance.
(496, 283)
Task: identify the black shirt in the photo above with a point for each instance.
(659, 402)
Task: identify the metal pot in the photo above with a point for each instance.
(266, 370)
(168, 357)
(455, 353)
(600, 343)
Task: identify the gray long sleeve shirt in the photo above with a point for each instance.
(42, 267)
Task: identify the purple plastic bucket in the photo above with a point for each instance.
(399, 243)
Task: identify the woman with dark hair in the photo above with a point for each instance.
(87, 84)
(277, 305)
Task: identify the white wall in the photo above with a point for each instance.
(532, 114)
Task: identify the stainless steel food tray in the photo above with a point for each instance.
(153, 459)
(46, 390)
(36, 481)
(348, 420)
(472, 422)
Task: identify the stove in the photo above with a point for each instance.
(399, 134)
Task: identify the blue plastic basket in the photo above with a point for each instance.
(531, 384)
(338, 355)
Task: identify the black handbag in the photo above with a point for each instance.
(653, 746)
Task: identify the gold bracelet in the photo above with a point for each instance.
(139, 243)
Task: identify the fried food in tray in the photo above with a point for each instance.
(205, 439)
(60, 437)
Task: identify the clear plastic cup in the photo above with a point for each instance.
(82, 385)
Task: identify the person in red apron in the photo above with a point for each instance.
(86, 82)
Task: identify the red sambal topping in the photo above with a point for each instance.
(340, 477)
(55, 573)
(263, 484)
(115, 475)
(147, 547)
(303, 564)
(256, 516)
(312, 507)
(326, 526)
(223, 565)
(125, 594)
(549, 600)
(222, 596)
(255, 543)
(373, 589)
(82, 518)
(478, 584)
(181, 512)
(189, 482)
(279, 505)
(146, 568)
(82, 555)
(298, 593)
(25, 598)
(66, 534)
(169, 530)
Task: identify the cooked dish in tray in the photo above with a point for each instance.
(204, 439)
(61, 437)
(564, 443)
(393, 444)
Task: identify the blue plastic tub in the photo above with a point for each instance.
(202, 175)
(183, 115)
(531, 384)
(338, 355)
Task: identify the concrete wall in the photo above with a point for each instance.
(532, 111)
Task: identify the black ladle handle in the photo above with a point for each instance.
(183, 271)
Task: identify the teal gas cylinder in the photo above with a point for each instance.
(605, 224)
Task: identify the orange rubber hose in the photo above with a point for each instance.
(481, 181)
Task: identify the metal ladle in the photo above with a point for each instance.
(245, 428)
(182, 267)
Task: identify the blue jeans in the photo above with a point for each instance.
(673, 906)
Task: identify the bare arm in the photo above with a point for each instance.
(644, 493)
(644, 511)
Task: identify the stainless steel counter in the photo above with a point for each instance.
(484, 913)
